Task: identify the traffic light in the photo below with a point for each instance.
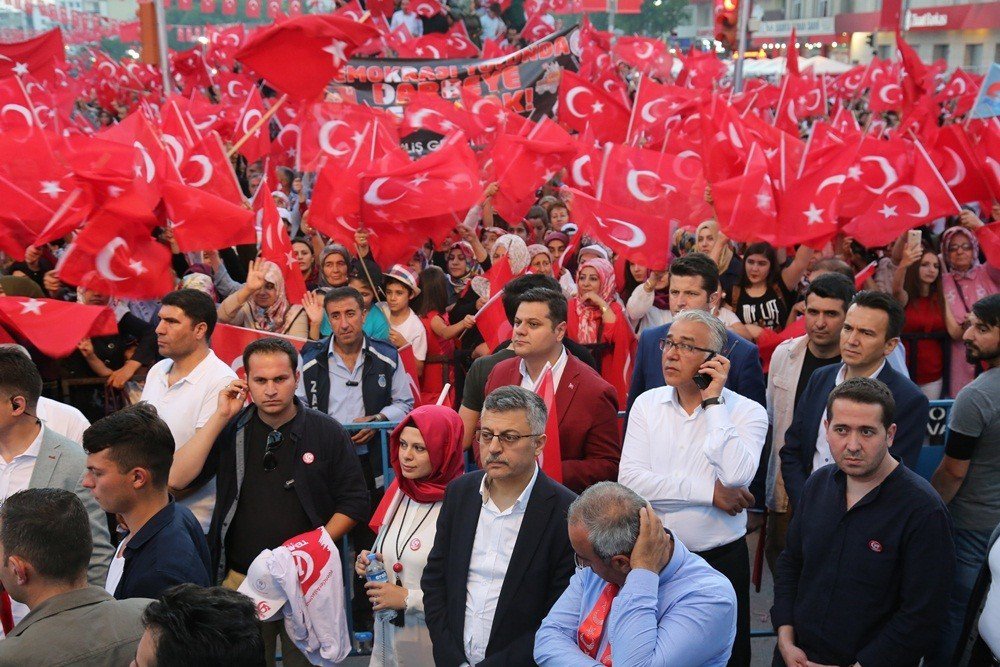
(726, 20)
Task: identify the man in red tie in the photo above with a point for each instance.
(638, 596)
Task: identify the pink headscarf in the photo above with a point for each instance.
(590, 316)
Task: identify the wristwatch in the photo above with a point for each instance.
(715, 400)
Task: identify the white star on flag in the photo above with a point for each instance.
(418, 180)
(854, 173)
(763, 201)
(888, 211)
(336, 49)
(21, 69)
(51, 188)
(33, 306)
(290, 259)
(597, 107)
(814, 215)
(137, 267)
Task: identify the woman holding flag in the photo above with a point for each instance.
(425, 451)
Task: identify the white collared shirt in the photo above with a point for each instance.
(186, 406)
(557, 372)
(672, 459)
(63, 419)
(496, 534)
(15, 475)
(823, 457)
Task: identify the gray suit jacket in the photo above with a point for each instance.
(60, 465)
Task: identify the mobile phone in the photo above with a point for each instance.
(702, 380)
(913, 238)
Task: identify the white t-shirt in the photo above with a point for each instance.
(185, 407)
(412, 329)
(15, 475)
(63, 419)
(116, 568)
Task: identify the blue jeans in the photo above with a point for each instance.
(970, 554)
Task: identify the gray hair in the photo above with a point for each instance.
(513, 398)
(14, 346)
(610, 513)
(716, 329)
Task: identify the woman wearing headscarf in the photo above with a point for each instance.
(515, 250)
(596, 319)
(541, 259)
(425, 451)
(262, 303)
(557, 242)
(964, 281)
(460, 267)
(334, 267)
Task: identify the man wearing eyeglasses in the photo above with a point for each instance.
(282, 469)
(639, 596)
(501, 556)
(691, 449)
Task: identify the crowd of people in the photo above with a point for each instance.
(577, 447)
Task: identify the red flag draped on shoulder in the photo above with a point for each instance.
(301, 55)
(551, 458)
(53, 326)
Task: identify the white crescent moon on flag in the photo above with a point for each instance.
(883, 93)
(645, 112)
(174, 148)
(637, 239)
(433, 49)
(111, 68)
(102, 262)
(919, 197)
(734, 136)
(959, 167)
(680, 160)
(252, 113)
(324, 138)
(570, 96)
(208, 122)
(372, 196)
(147, 161)
(832, 180)
(206, 170)
(291, 127)
(632, 182)
(418, 117)
(887, 170)
(229, 88)
(18, 108)
(577, 171)
(645, 54)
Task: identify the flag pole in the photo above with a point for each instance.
(256, 126)
(612, 8)
(744, 21)
(161, 42)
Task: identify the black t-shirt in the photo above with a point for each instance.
(809, 364)
(268, 511)
(770, 310)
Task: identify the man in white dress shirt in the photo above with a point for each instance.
(184, 388)
(692, 451)
(501, 555)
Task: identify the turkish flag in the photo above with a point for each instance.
(207, 6)
(208, 167)
(115, 254)
(428, 111)
(522, 164)
(18, 110)
(273, 9)
(877, 168)
(351, 10)
(203, 221)
(919, 196)
(644, 181)
(228, 343)
(275, 245)
(252, 9)
(959, 166)
(641, 238)
(301, 55)
(335, 131)
(989, 243)
(229, 7)
(53, 326)
(886, 95)
(37, 56)
(581, 104)
(845, 122)
(551, 459)
(426, 8)
(583, 171)
(619, 371)
(410, 366)
(252, 112)
(439, 183)
(645, 54)
(492, 322)
(538, 26)
(177, 130)
(659, 107)
(745, 204)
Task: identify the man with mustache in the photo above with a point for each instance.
(501, 556)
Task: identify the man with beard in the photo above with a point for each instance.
(968, 478)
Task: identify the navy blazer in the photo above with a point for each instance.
(539, 571)
(912, 411)
(746, 376)
(169, 549)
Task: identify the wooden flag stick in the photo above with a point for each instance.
(256, 126)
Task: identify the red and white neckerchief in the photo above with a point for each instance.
(588, 637)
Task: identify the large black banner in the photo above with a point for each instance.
(526, 81)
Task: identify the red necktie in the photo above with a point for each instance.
(588, 637)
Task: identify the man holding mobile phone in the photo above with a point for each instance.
(691, 449)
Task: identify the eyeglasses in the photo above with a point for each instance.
(270, 458)
(666, 343)
(485, 437)
(579, 562)
(960, 247)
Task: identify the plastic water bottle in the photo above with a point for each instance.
(376, 572)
